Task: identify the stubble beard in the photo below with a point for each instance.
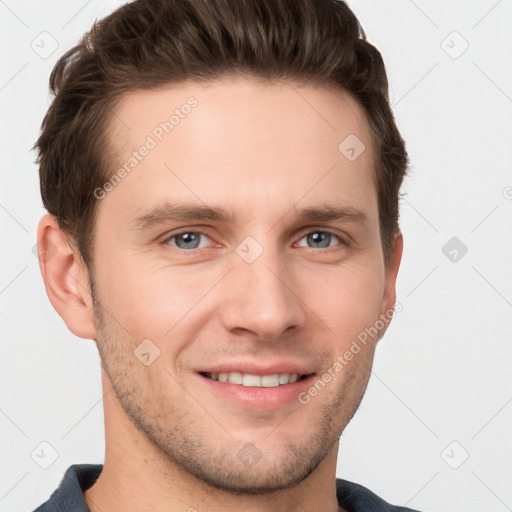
(189, 441)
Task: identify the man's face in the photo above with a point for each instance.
(268, 290)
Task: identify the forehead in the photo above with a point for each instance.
(252, 146)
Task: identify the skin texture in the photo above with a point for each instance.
(263, 152)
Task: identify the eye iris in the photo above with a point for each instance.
(320, 237)
(190, 240)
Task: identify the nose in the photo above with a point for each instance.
(263, 297)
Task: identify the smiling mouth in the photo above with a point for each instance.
(255, 381)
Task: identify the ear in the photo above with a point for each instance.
(389, 296)
(65, 277)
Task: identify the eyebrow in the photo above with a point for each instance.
(166, 212)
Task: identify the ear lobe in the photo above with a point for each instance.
(65, 277)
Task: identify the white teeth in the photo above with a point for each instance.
(250, 380)
(270, 381)
(235, 378)
(284, 378)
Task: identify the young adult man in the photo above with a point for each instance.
(222, 181)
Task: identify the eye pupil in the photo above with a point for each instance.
(192, 240)
(189, 240)
(320, 237)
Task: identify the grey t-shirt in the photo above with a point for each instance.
(69, 496)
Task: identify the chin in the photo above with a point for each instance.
(261, 477)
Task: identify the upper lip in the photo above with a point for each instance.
(257, 368)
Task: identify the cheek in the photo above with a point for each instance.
(349, 301)
(151, 302)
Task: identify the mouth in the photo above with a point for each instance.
(255, 386)
(254, 392)
(250, 380)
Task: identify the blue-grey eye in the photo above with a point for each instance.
(187, 240)
(319, 239)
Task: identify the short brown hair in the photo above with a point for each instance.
(152, 43)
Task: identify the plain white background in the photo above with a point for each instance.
(434, 430)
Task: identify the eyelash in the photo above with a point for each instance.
(166, 241)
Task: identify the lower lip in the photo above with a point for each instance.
(254, 398)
